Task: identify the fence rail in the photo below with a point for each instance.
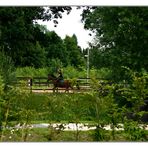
(40, 83)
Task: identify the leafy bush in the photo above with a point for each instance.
(31, 72)
(69, 72)
(133, 132)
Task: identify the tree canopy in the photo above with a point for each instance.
(30, 44)
(121, 37)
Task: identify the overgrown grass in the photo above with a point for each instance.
(46, 135)
(59, 107)
(69, 72)
(97, 106)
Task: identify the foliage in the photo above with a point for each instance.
(102, 106)
(31, 44)
(6, 79)
(120, 38)
(31, 72)
(34, 56)
(120, 42)
(21, 39)
(55, 48)
(6, 69)
(74, 51)
(19, 110)
(106, 109)
(9, 94)
(69, 72)
(134, 95)
(1, 86)
(98, 107)
(1, 100)
(54, 65)
(133, 132)
(102, 73)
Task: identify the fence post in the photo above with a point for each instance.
(31, 85)
(39, 82)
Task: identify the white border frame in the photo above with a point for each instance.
(73, 2)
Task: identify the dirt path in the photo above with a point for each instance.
(50, 91)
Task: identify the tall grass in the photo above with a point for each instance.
(68, 72)
(98, 106)
(31, 72)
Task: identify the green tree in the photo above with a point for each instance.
(34, 56)
(74, 51)
(6, 81)
(6, 69)
(18, 32)
(121, 36)
(55, 48)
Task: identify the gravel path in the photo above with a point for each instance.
(73, 126)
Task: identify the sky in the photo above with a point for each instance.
(69, 25)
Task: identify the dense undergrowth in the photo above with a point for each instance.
(68, 72)
(107, 103)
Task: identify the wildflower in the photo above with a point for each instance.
(12, 131)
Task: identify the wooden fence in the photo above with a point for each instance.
(40, 83)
